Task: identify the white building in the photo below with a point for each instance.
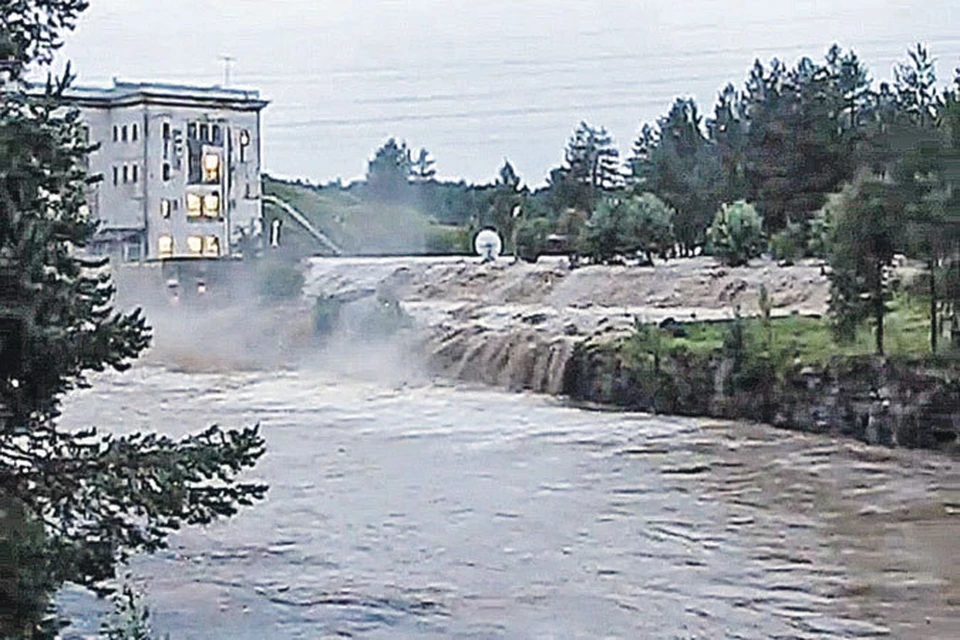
(180, 167)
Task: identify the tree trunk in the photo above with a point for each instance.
(878, 308)
(934, 330)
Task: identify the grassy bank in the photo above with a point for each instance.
(788, 372)
(803, 340)
(358, 226)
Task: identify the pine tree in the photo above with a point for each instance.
(866, 234)
(678, 164)
(422, 169)
(591, 167)
(75, 504)
(506, 200)
(388, 173)
(916, 169)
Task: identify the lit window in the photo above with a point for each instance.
(211, 246)
(194, 205)
(211, 167)
(166, 171)
(211, 205)
(165, 208)
(165, 246)
(195, 245)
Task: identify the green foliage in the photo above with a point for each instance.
(678, 164)
(357, 225)
(788, 246)
(821, 230)
(447, 240)
(78, 503)
(591, 167)
(130, 619)
(736, 235)
(279, 280)
(532, 238)
(422, 169)
(627, 226)
(868, 225)
(506, 203)
(388, 173)
(32, 31)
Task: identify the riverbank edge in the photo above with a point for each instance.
(880, 401)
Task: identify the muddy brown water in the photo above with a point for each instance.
(417, 509)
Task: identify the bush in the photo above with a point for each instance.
(629, 226)
(736, 234)
(818, 242)
(444, 240)
(280, 281)
(788, 245)
(532, 238)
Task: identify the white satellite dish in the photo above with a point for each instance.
(488, 245)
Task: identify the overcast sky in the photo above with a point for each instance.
(477, 81)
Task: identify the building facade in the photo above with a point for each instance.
(180, 170)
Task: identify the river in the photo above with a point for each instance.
(405, 507)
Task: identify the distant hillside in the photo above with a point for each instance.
(356, 226)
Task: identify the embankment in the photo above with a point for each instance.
(876, 400)
(550, 329)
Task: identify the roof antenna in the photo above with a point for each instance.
(227, 61)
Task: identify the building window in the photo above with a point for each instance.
(134, 173)
(133, 251)
(116, 133)
(244, 143)
(166, 171)
(123, 133)
(165, 129)
(195, 245)
(176, 205)
(205, 132)
(165, 208)
(134, 133)
(116, 176)
(211, 205)
(165, 246)
(211, 246)
(126, 174)
(192, 131)
(194, 205)
(215, 131)
(211, 168)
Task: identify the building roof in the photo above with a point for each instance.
(123, 94)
